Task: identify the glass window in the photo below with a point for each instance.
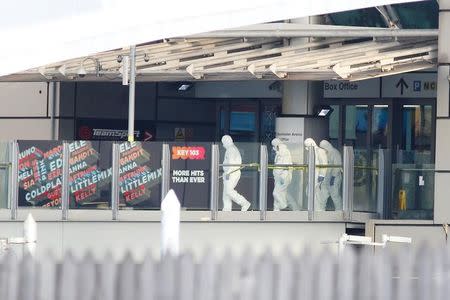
(413, 191)
(380, 121)
(422, 14)
(368, 17)
(244, 121)
(239, 177)
(269, 114)
(286, 188)
(365, 180)
(356, 125)
(416, 134)
(329, 175)
(334, 125)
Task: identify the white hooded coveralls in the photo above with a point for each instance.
(231, 176)
(282, 177)
(320, 191)
(333, 177)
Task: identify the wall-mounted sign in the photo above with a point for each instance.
(290, 130)
(369, 88)
(190, 175)
(179, 152)
(410, 85)
(113, 130)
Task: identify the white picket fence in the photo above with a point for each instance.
(423, 274)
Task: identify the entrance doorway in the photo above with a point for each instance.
(406, 129)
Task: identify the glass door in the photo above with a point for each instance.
(416, 140)
(412, 171)
(240, 120)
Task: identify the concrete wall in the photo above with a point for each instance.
(140, 237)
(26, 110)
(442, 188)
(430, 234)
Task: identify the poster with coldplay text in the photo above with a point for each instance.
(140, 175)
(190, 171)
(40, 170)
(40, 174)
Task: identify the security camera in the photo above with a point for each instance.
(146, 58)
(119, 58)
(81, 72)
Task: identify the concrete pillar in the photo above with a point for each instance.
(295, 97)
(442, 187)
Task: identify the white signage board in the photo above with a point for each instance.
(369, 88)
(410, 85)
(290, 130)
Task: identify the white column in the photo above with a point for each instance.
(442, 188)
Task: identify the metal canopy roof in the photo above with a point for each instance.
(260, 52)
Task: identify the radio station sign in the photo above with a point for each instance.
(410, 85)
(189, 174)
(351, 89)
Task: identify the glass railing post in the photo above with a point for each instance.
(214, 201)
(347, 186)
(263, 165)
(65, 185)
(14, 179)
(380, 183)
(165, 163)
(115, 187)
(311, 181)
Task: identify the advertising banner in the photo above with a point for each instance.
(190, 174)
(140, 175)
(40, 171)
(90, 174)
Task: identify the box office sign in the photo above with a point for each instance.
(190, 171)
(369, 88)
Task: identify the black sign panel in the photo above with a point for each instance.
(190, 174)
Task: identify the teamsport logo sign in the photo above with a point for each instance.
(112, 133)
(88, 133)
(192, 153)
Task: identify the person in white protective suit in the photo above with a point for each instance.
(282, 177)
(333, 178)
(231, 176)
(320, 190)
